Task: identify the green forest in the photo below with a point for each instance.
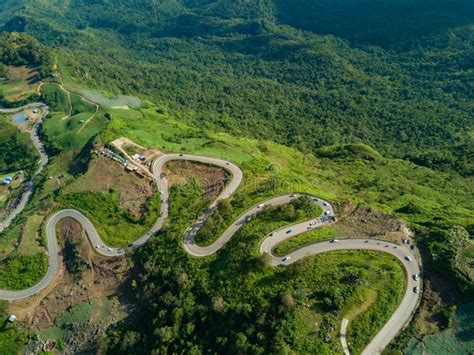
(16, 150)
(368, 102)
(22, 49)
(260, 69)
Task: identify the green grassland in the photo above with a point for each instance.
(15, 91)
(70, 132)
(313, 236)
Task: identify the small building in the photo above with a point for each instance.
(131, 168)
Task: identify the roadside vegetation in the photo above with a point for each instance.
(227, 212)
(11, 340)
(313, 236)
(115, 226)
(233, 301)
(236, 298)
(19, 271)
(16, 149)
(359, 174)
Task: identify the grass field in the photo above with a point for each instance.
(74, 131)
(22, 84)
(317, 235)
(30, 235)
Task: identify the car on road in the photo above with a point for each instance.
(416, 277)
(366, 241)
(289, 231)
(286, 258)
(334, 241)
(416, 289)
(261, 205)
(97, 246)
(408, 258)
(181, 155)
(327, 213)
(109, 249)
(325, 203)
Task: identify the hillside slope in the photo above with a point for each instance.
(237, 66)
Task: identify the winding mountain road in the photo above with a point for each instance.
(29, 187)
(405, 255)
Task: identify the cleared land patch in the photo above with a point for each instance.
(86, 300)
(121, 205)
(22, 83)
(105, 175)
(211, 178)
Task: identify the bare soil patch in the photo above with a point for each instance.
(129, 148)
(356, 221)
(100, 287)
(26, 81)
(105, 175)
(211, 178)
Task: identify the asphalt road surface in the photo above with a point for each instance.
(398, 320)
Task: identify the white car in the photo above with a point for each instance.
(408, 258)
(416, 277)
(97, 246)
(334, 241)
(416, 289)
(109, 249)
(286, 258)
(260, 205)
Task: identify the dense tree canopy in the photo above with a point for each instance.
(247, 67)
(22, 49)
